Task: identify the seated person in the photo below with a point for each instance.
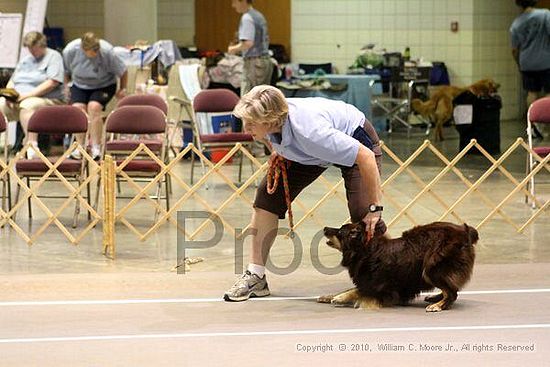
(93, 67)
(38, 78)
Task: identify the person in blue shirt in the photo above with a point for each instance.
(94, 68)
(311, 133)
(530, 36)
(38, 78)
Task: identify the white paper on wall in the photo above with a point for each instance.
(10, 36)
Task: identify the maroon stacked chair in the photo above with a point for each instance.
(137, 120)
(539, 112)
(214, 101)
(130, 145)
(144, 100)
(56, 120)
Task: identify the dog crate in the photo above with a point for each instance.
(478, 118)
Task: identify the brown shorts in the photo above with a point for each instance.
(300, 176)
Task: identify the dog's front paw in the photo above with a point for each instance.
(346, 299)
(436, 307)
(340, 302)
(325, 299)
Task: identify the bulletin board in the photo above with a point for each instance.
(10, 37)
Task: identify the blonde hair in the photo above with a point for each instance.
(35, 39)
(264, 105)
(90, 42)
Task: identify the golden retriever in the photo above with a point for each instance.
(394, 271)
(439, 108)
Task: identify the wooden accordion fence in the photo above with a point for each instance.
(472, 190)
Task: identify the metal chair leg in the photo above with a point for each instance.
(89, 194)
(9, 192)
(157, 210)
(98, 188)
(241, 168)
(77, 205)
(192, 166)
(16, 200)
(29, 203)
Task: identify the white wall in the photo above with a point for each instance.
(129, 20)
(176, 21)
(76, 17)
(491, 51)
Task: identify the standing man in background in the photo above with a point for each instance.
(530, 34)
(93, 67)
(253, 43)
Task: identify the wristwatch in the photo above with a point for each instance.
(373, 208)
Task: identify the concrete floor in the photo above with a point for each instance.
(68, 305)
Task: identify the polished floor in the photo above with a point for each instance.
(69, 305)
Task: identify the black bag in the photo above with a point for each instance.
(485, 121)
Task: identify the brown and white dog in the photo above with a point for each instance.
(394, 271)
(439, 108)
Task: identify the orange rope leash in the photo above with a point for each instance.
(277, 167)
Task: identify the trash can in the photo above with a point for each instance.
(478, 118)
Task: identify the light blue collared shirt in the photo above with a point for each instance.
(318, 131)
(30, 73)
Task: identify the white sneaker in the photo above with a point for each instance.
(32, 154)
(96, 152)
(76, 155)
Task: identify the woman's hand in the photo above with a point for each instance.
(370, 221)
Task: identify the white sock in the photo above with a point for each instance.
(259, 270)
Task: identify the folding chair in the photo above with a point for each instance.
(396, 104)
(6, 187)
(539, 112)
(56, 120)
(216, 101)
(130, 145)
(137, 120)
(153, 143)
(144, 100)
(183, 85)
